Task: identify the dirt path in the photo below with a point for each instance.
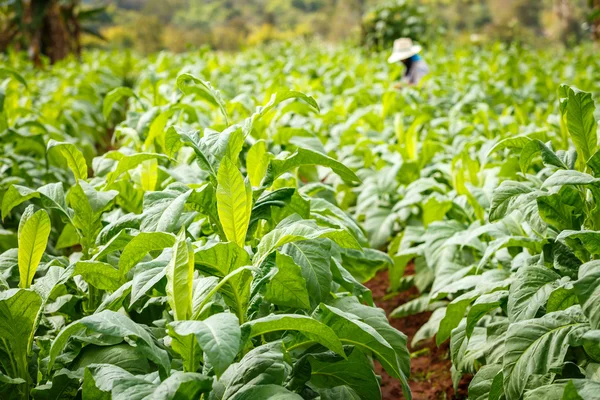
(430, 370)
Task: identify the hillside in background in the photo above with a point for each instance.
(178, 25)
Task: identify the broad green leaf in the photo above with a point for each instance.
(587, 289)
(435, 210)
(561, 298)
(205, 91)
(34, 230)
(170, 216)
(455, 312)
(480, 386)
(73, 156)
(516, 142)
(101, 275)
(534, 147)
(287, 287)
(234, 202)
(257, 161)
(219, 337)
(267, 392)
(309, 327)
(590, 240)
(18, 314)
(114, 96)
(149, 174)
(14, 196)
(569, 177)
(314, 258)
(220, 258)
(301, 157)
(555, 212)
(261, 366)
(530, 291)
(11, 73)
(112, 382)
(504, 196)
(356, 373)
(294, 229)
(482, 306)
(581, 121)
(377, 319)
(175, 138)
(350, 330)
(112, 324)
(141, 245)
(535, 346)
(180, 275)
(128, 162)
(121, 355)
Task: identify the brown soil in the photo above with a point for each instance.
(430, 377)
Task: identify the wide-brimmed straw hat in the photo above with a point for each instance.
(403, 48)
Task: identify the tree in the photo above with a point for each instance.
(595, 18)
(45, 27)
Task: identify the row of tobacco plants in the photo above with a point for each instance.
(194, 259)
(164, 239)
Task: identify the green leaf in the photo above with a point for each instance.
(101, 275)
(530, 291)
(480, 386)
(287, 287)
(434, 209)
(175, 138)
(11, 73)
(454, 314)
(180, 276)
(313, 257)
(356, 372)
(555, 212)
(350, 330)
(587, 289)
(74, 157)
(266, 392)
(294, 229)
(590, 240)
(261, 366)
(569, 177)
(504, 196)
(141, 245)
(234, 202)
(14, 196)
(581, 122)
(302, 157)
(534, 147)
(535, 346)
(220, 258)
(168, 219)
(205, 91)
(309, 327)
(219, 336)
(127, 162)
(116, 325)
(34, 230)
(482, 306)
(113, 96)
(377, 319)
(561, 298)
(257, 161)
(18, 314)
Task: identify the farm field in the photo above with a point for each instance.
(282, 223)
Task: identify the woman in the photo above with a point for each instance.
(408, 53)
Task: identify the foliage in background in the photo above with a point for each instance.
(50, 28)
(395, 19)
